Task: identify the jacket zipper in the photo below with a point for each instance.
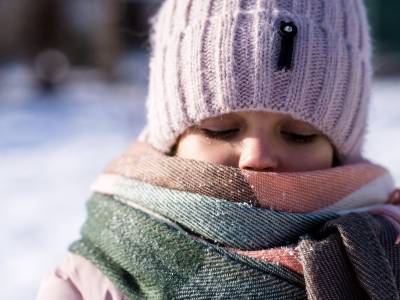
(288, 32)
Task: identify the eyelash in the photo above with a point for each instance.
(299, 138)
(220, 135)
(231, 133)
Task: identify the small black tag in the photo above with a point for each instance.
(288, 32)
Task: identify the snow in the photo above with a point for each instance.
(383, 139)
(52, 147)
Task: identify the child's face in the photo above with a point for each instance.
(258, 141)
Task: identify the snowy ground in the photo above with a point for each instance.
(53, 146)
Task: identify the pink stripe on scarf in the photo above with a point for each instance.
(310, 191)
(284, 256)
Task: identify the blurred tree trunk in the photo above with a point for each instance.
(43, 26)
(93, 25)
(383, 17)
(106, 39)
(11, 28)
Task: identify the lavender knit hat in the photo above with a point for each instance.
(307, 58)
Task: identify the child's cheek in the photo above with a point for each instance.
(218, 152)
(317, 156)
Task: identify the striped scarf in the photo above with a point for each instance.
(168, 228)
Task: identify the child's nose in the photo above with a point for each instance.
(257, 154)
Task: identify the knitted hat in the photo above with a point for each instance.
(306, 58)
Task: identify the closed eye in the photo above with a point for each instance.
(298, 138)
(220, 134)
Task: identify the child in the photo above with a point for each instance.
(247, 177)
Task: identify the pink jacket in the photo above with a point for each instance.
(78, 279)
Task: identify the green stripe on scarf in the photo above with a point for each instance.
(146, 259)
(237, 225)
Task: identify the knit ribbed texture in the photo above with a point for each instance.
(212, 57)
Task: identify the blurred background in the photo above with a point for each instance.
(73, 80)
